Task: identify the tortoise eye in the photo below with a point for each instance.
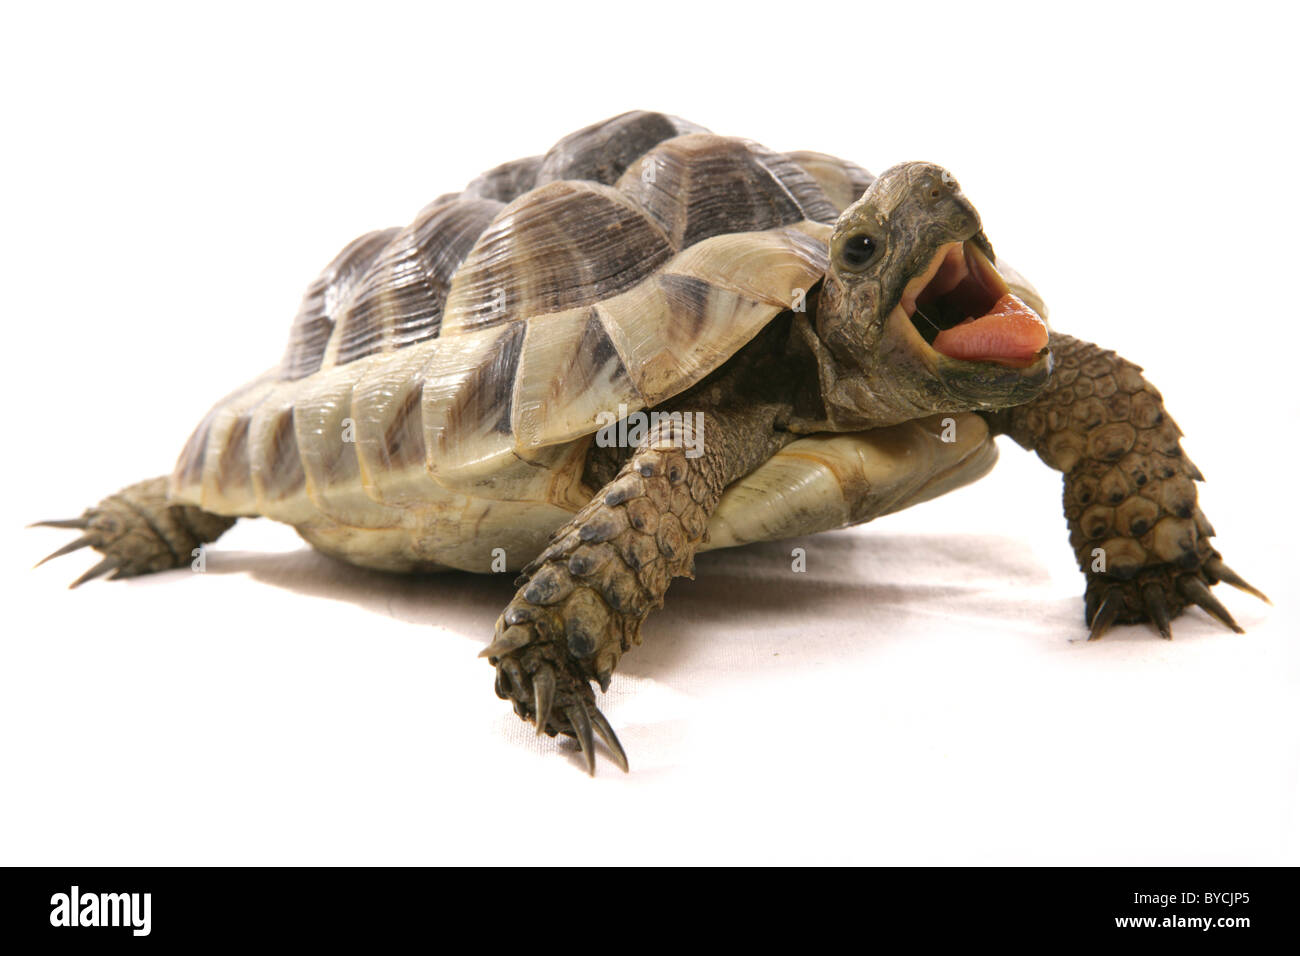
(858, 250)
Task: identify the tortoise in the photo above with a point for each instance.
(651, 341)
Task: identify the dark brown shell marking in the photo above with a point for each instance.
(400, 301)
(325, 300)
(598, 213)
(702, 185)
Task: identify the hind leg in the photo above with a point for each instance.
(138, 531)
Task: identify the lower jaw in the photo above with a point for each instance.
(990, 385)
(971, 385)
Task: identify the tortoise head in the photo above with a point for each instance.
(915, 315)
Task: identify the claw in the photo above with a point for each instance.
(515, 637)
(577, 715)
(1154, 598)
(105, 566)
(611, 739)
(1221, 572)
(80, 523)
(1106, 614)
(81, 542)
(515, 674)
(1195, 591)
(543, 696)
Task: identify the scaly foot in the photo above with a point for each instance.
(138, 531)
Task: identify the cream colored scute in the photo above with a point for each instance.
(561, 245)
(667, 332)
(226, 490)
(462, 442)
(189, 474)
(389, 432)
(705, 303)
(266, 417)
(326, 431)
(825, 481)
(569, 373)
(842, 182)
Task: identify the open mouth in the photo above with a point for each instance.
(962, 308)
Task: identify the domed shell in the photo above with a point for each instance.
(633, 258)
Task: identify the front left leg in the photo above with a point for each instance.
(584, 598)
(1130, 492)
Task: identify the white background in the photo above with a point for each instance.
(172, 180)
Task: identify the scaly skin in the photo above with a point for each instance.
(139, 532)
(584, 598)
(1130, 492)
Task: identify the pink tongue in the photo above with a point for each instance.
(1011, 334)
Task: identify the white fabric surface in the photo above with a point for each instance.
(918, 695)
